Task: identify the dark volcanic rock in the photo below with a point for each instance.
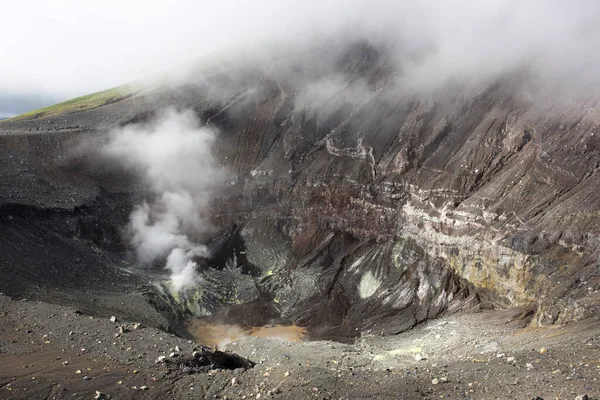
(206, 360)
(363, 206)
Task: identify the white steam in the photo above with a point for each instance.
(174, 156)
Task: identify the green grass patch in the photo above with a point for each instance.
(82, 103)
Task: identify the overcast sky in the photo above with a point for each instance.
(72, 47)
(59, 49)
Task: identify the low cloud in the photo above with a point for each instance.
(70, 47)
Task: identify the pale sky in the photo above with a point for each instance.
(63, 48)
(72, 47)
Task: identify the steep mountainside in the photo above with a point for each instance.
(354, 203)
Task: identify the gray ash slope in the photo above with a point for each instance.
(361, 207)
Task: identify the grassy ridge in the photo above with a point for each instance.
(82, 103)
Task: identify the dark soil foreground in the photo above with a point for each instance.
(54, 352)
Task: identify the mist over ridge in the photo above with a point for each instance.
(430, 40)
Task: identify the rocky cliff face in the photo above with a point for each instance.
(356, 204)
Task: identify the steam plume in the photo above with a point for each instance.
(174, 157)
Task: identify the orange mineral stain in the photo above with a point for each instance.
(210, 334)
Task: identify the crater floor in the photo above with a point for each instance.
(51, 351)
